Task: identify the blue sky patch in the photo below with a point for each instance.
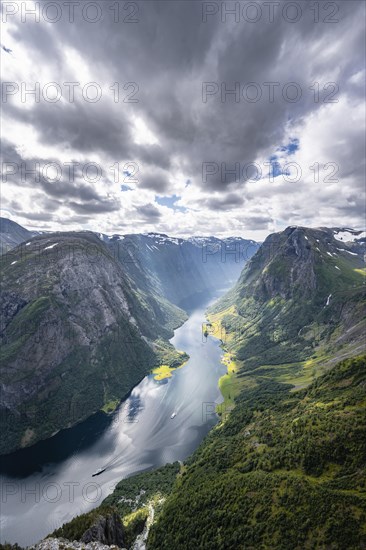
(289, 149)
(169, 201)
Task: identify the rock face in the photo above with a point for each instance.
(75, 334)
(293, 263)
(107, 530)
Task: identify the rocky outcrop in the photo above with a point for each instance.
(64, 544)
(107, 530)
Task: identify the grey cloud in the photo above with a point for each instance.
(169, 54)
(69, 187)
(81, 126)
(152, 154)
(38, 216)
(81, 219)
(231, 200)
(256, 222)
(156, 182)
(149, 212)
(95, 207)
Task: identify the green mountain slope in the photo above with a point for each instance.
(76, 334)
(285, 468)
(284, 471)
(301, 296)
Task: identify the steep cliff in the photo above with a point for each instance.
(76, 334)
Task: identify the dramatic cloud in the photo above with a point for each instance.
(261, 110)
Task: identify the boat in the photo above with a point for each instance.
(98, 472)
(173, 415)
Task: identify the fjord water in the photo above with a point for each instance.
(48, 484)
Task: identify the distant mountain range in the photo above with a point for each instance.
(175, 268)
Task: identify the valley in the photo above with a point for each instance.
(183, 275)
(88, 345)
(139, 435)
(241, 428)
(83, 321)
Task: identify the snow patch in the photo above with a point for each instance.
(51, 246)
(349, 235)
(349, 252)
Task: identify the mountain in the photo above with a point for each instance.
(12, 234)
(173, 268)
(179, 269)
(301, 295)
(76, 334)
(285, 468)
(85, 316)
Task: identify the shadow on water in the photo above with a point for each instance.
(56, 449)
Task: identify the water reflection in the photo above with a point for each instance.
(51, 482)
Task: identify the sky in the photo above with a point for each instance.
(183, 117)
